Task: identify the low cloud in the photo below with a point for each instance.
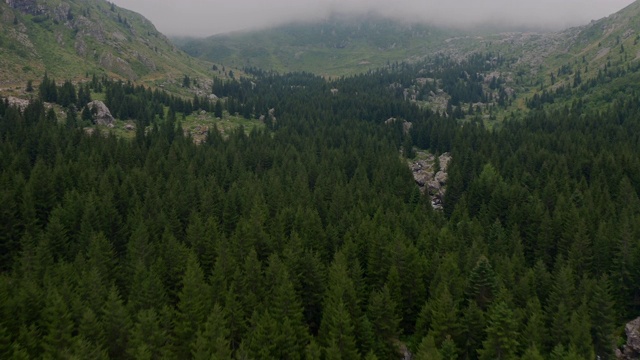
(208, 17)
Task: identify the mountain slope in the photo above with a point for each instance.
(592, 62)
(338, 45)
(70, 38)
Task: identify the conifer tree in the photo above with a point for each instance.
(59, 327)
(339, 337)
(147, 338)
(381, 310)
(116, 324)
(502, 334)
(532, 353)
(482, 283)
(193, 306)
(602, 317)
(428, 350)
(580, 332)
(212, 340)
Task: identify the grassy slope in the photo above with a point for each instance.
(96, 39)
(335, 47)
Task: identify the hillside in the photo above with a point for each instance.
(70, 38)
(596, 60)
(338, 45)
(298, 216)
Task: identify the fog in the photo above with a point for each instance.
(209, 17)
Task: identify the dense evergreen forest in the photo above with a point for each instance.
(310, 239)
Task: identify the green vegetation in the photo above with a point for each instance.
(341, 45)
(80, 37)
(277, 221)
(307, 237)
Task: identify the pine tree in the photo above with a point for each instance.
(502, 335)
(269, 339)
(6, 349)
(428, 350)
(59, 327)
(381, 311)
(341, 294)
(482, 283)
(147, 338)
(535, 331)
(443, 316)
(91, 330)
(449, 350)
(339, 339)
(313, 351)
(284, 306)
(212, 340)
(580, 335)
(235, 317)
(193, 306)
(473, 329)
(217, 111)
(561, 304)
(116, 324)
(532, 353)
(603, 318)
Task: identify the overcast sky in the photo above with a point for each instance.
(208, 17)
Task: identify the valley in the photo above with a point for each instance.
(354, 188)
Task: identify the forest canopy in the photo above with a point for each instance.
(310, 239)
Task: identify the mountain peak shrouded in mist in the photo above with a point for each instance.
(208, 17)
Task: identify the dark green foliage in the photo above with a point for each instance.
(427, 350)
(501, 342)
(212, 340)
(382, 314)
(310, 239)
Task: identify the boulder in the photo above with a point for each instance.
(427, 180)
(441, 177)
(421, 179)
(17, 102)
(444, 160)
(102, 115)
(631, 350)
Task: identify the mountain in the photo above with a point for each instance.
(338, 45)
(70, 38)
(606, 50)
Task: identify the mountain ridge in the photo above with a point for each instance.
(70, 38)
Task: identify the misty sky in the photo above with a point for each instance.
(208, 17)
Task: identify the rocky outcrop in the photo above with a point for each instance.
(17, 102)
(102, 115)
(406, 126)
(430, 176)
(27, 6)
(631, 350)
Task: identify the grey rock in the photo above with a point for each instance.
(102, 114)
(441, 177)
(429, 181)
(631, 350)
(17, 102)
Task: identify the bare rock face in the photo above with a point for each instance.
(26, 6)
(406, 126)
(431, 179)
(17, 102)
(632, 349)
(117, 65)
(102, 114)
